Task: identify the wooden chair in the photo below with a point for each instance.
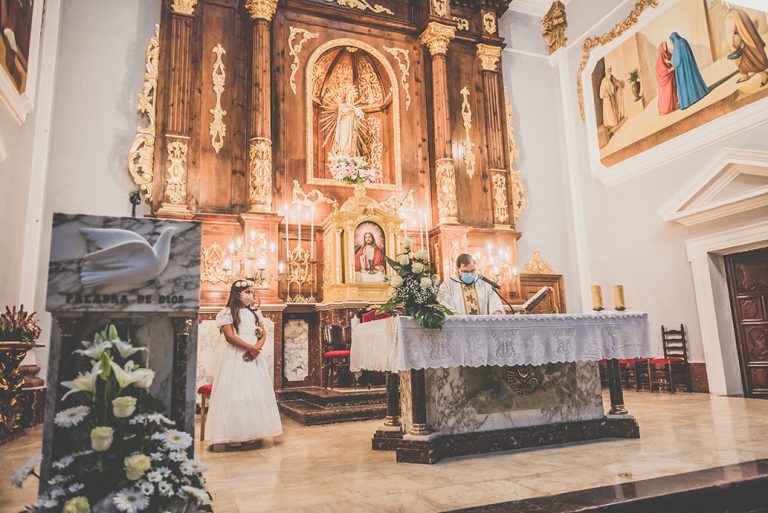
(335, 351)
(671, 370)
(205, 395)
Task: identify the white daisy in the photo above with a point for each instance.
(192, 467)
(57, 492)
(165, 489)
(138, 419)
(156, 456)
(177, 440)
(130, 501)
(154, 476)
(63, 462)
(46, 502)
(58, 479)
(159, 418)
(164, 471)
(75, 487)
(25, 470)
(200, 496)
(177, 456)
(71, 416)
(146, 487)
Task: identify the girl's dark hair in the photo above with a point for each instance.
(234, 304)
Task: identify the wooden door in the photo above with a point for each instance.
(747, 275)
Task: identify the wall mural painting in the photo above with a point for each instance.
(16, 20)
(370, 249)
(699, 60)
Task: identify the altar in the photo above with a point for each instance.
(494, 383)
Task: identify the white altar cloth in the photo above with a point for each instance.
(400, 344)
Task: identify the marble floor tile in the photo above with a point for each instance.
(332, 469)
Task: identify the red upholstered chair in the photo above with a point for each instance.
(673, 368)
(335, 351)
(205, 395)
(635, 373)
(373, 315)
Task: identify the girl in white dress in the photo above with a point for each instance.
(243, 406)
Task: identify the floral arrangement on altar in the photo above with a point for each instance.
(415, 288)
(18, 326)
(351, 170)
(124, 454)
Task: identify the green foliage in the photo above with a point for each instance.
(18, 325)
(634, 75)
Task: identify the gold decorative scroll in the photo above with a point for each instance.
(447, 207)
(260, 175)
(553, 26)
(311, 198)
(184, 6)
(517, 188)
(396, 202)
(591, 43)
(362, 5)
(461, 23)
(437, 37)
(295, 50)
(176, 176)
(500, 202)
(217, 128)
(141, 155)
(537, 265)
(212, 264)
(440, 7)
(261, 9)
(403, 59)
(373, 152)
(489, 56)
(466, 118)
(489, 23)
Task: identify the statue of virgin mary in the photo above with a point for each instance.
(342, 120)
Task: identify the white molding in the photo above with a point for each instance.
(536, 8)
(527, 53)
(3, 148)
(723, 371)
(21, 104)
(694, 204)
(733, 123)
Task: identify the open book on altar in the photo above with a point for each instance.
(533, 301)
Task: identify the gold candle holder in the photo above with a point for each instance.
(597, 298)
(618, 297)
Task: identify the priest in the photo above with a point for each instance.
(466, 294)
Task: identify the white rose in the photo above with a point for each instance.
(136, 465)
(403, 259)
(421, 255)
(396, 281)
(101, 438)
(417, 267)
(407, 243)
(144, 378)
(435, 280)
(77, 504)
(425, 283)
(123, 407)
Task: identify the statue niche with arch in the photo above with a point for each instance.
(352, 111)
(345, 278)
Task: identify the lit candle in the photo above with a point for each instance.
(298, 212)
(272, 247)
(253, 235)
(281, 267)
(426, 234)
(597, 298)
(285, 209)
(514, 272)
(618, 297)
(312, 232)
(421, 233)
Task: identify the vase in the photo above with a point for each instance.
(635, 87)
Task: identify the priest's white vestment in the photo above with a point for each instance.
(460, 298)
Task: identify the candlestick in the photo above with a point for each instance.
(618, 297)
(285, 209)
(421, 234)
(426, 234)
(298, 206)
(597, 298)
(312, 233)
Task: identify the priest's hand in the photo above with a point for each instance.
(498, 312)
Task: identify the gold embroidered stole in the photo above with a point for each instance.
(471, 303)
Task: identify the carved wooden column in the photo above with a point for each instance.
(260, 125)
(178, 110)
(489, 57)
(437, 37)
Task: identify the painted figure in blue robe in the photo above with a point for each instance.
(690, 84)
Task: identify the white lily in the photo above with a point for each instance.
(126, 376)
(95, 350)
(126, 349)
(84, 382)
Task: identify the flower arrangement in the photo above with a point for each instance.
(415, 288)
(351, 170)
(123, 450)
(18, 325)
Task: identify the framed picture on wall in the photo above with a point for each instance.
(370, 251)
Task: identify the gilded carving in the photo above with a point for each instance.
(175, 177)
(212, 268)
(500, 202)
(217, 129)
(403, 59)
(537, 265)
(517, 188)
(489, 56)
(141, 155)
(373, 151)
(363, 6)
(591, 43)
(319, 71)
(461, 23)
(260, 175)
(261, 9)
(466, 144)
(445, 174)
(437, 37)
(489, 23)
(183, 6)
(368, 84)
(295, 50)
(395, 202)
(313, 197)
(440, 7)
(553, 26)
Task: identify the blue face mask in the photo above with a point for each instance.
(469, 278)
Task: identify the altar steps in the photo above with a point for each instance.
(314, 405)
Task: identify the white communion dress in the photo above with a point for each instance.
(243, 405)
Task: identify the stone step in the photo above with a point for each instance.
(326, 397)
(311, 414)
